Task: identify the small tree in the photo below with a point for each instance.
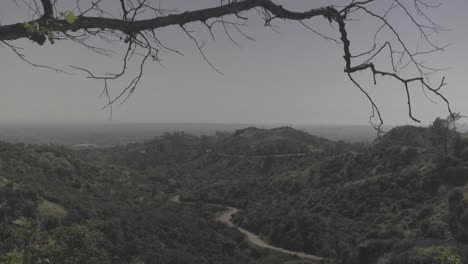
(439, 133)
(443, 131)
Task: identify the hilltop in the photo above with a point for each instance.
(283, 140)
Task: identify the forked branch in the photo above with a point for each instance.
(143, 42)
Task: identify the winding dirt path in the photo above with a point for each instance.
(312, 154)
(225, 217)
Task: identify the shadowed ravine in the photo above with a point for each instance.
(225, 217)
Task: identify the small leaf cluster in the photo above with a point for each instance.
(40, 32)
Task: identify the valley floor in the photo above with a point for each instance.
(225, 217)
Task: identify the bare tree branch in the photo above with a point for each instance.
(143, 43)
(48, 9)
(18, 31)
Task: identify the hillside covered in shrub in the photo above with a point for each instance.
(401, 199)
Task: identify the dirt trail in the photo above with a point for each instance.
(225, 217)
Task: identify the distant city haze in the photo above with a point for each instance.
(288, 78)
(111, 134)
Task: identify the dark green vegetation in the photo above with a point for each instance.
(398, 200)
(66, 206)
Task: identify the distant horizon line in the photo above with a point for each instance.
(107, 122)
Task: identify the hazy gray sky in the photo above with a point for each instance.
(290, 77)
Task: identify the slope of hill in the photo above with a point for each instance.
(391, 202)
(398, 200)
(53, 202)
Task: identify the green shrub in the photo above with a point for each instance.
(437, 254)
